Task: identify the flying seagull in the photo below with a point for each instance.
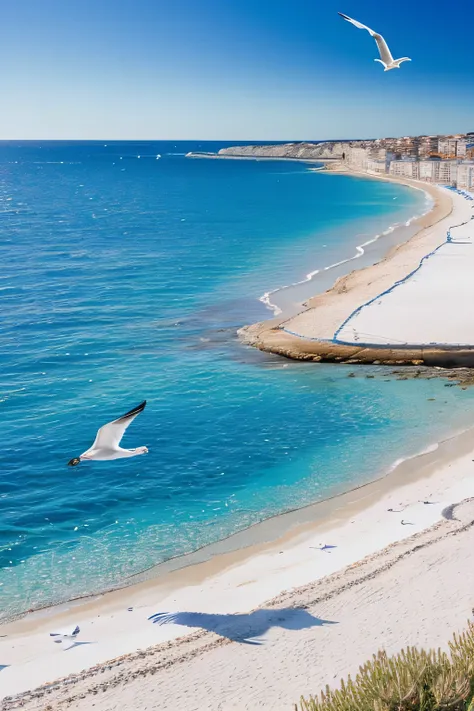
(107, 442)
(69, 636)
(385, 55)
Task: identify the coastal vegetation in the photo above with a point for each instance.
(413, 680)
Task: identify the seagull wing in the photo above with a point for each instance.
(385, 54)
(384, 51)
(109, 435)
(356, 24)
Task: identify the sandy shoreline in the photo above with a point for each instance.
(312, 636)
(239, 581)
(310, 334)
(323, 278)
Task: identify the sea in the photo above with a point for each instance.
(126, 270)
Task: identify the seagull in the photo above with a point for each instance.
(65, 636)
(386, 58)
(107, 442)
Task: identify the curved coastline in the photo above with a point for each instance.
(326, 164)
(360, 249)
(324, 313)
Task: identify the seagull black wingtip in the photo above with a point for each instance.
(136, 410)
(346, 17)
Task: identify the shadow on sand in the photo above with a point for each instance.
(76, 644)
(243, 628)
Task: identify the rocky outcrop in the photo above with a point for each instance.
(268, 336)
(305, 151)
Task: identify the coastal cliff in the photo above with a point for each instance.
(305, 151)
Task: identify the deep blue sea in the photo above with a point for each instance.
(124, 276)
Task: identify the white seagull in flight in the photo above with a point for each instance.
(107, 442)
(385, 55)
(69, 636)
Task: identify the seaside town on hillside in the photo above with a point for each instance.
(445, 159)
(435, 159)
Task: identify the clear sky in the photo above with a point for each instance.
(232, 69)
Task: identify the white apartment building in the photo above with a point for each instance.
(461, 149)
(376, 166)
(447, 172)
(465, 176)
(428, 170)
(447, 146)
(438, 171)
(405, 168)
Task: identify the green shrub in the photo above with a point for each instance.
(414, 680)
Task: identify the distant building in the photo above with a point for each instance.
(447, 147)
(461, 149)
(465, 176)
(376, 166)
(447, 172)
(428, 145)
(428, 170)
(438, 171)
(405, 168)
(436, 159)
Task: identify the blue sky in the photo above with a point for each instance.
(231, 69)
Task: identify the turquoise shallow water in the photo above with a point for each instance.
(125, 278)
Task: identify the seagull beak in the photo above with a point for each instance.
(74, 462)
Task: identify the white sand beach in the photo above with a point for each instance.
(431, 300)
(327, 312)
(259, 617)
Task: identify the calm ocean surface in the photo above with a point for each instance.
(125, 278)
